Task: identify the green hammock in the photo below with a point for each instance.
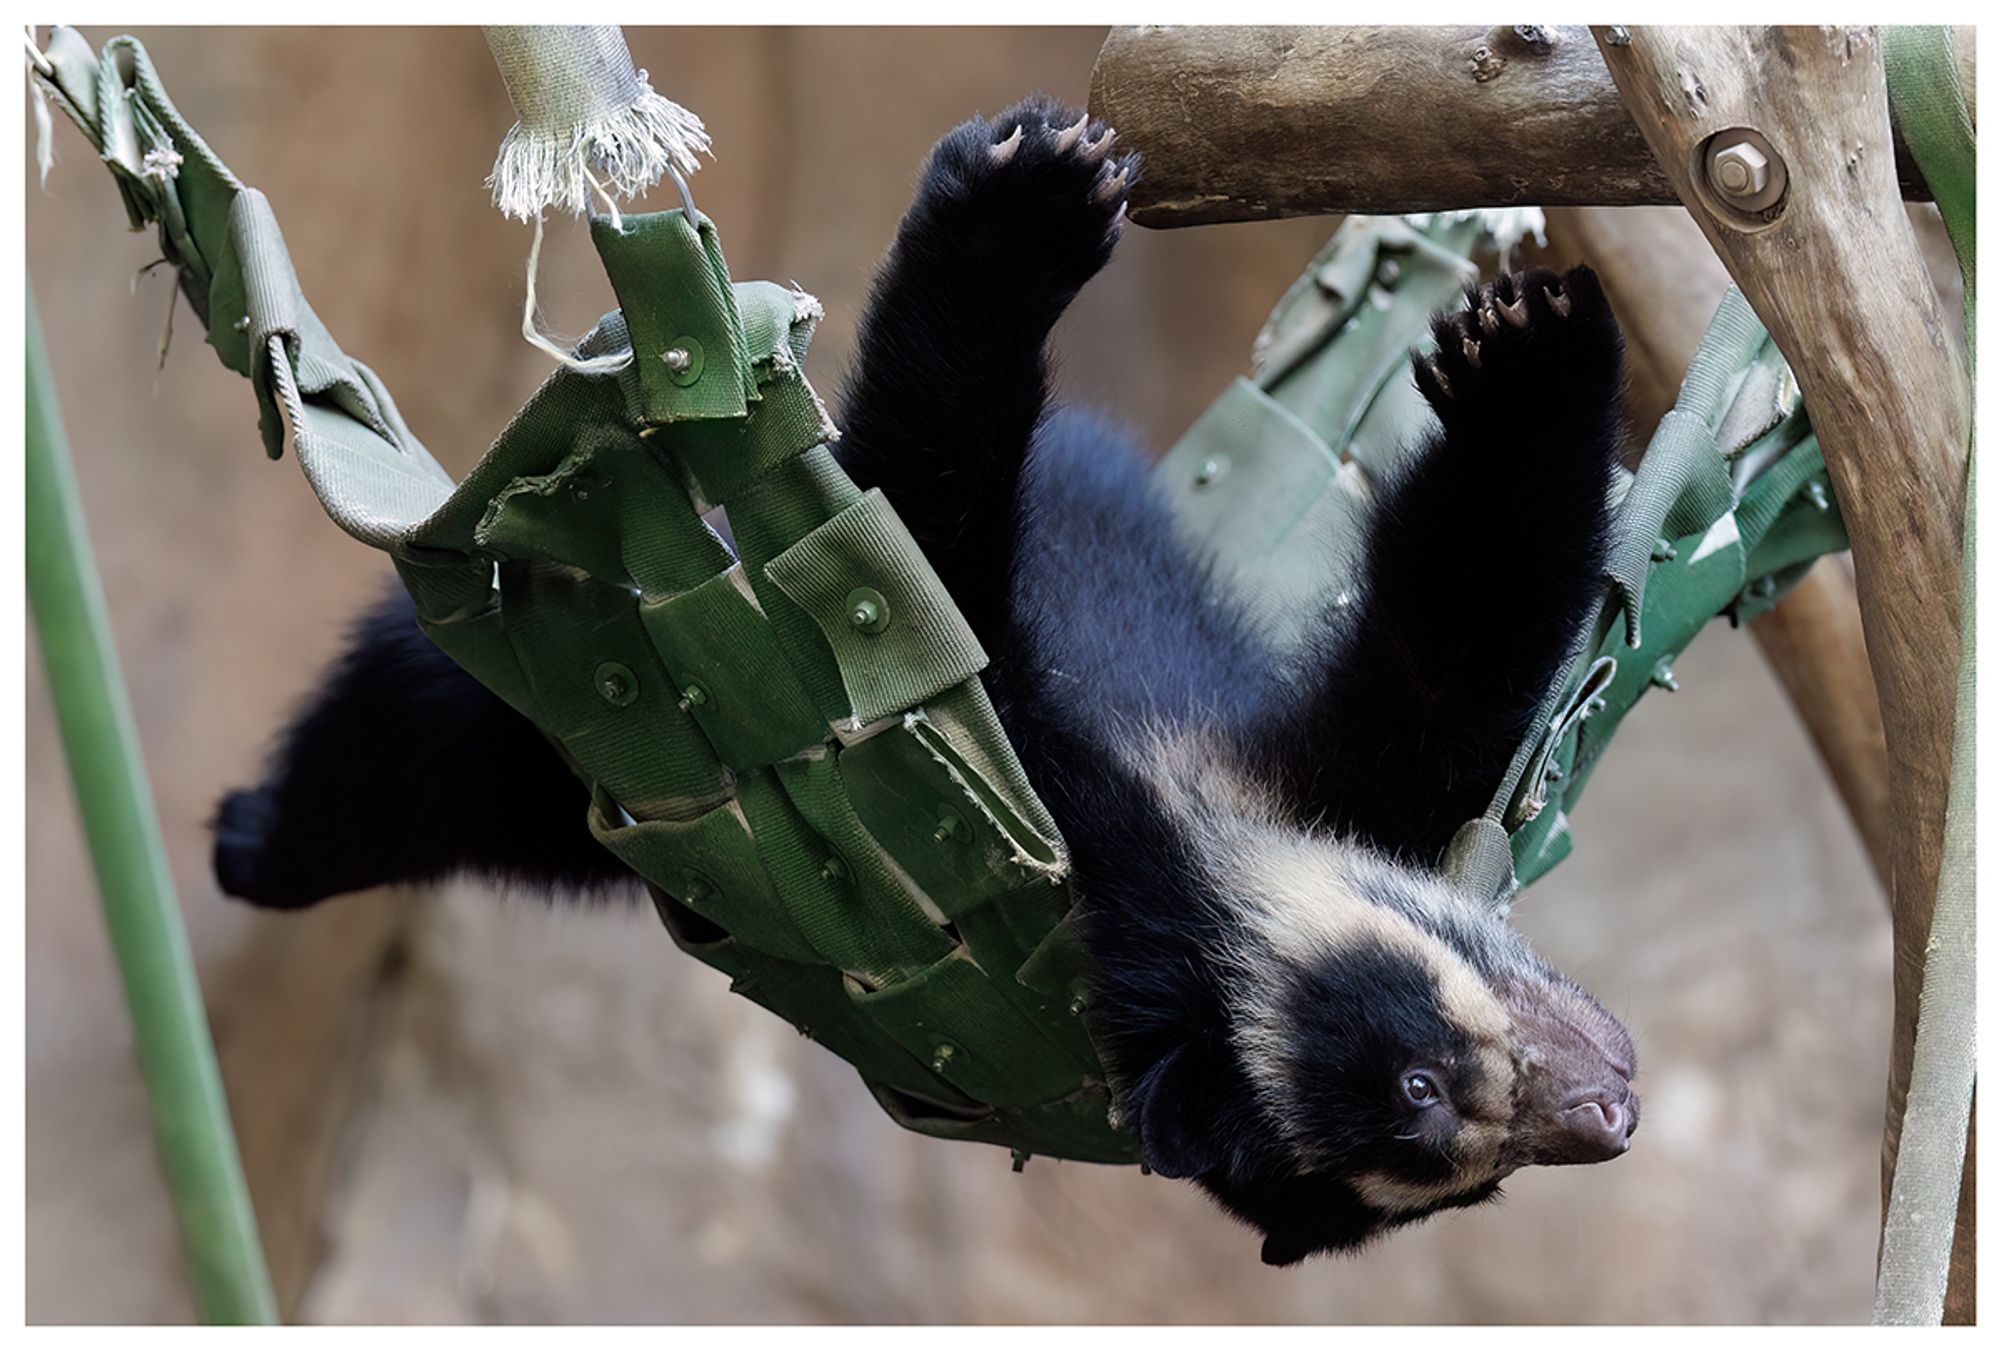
(791, 744)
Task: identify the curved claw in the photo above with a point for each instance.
(1099, 148)
(1489, 320)
(1471, 350)
(1112, 187)
(1002, 151)
(1516, 313)
(1070, 135)
(1558, 301)
(1436, 372)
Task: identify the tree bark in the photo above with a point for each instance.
(1255, 123)
(1834, 272)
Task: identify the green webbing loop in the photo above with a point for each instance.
(1931, 110)
(1918, 1229)
(1682, 485)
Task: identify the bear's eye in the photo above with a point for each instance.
(1421, 1088)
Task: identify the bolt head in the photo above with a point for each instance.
(1740, 170)
(677, 360)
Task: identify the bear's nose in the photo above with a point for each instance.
(1596, 1128)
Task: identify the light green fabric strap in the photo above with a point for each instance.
(1683, 484)
(1930, 110)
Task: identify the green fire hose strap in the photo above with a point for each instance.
(690, 360)
(1682, 484)
(895, 635)
(374, 478)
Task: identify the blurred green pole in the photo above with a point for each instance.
(190, 1116)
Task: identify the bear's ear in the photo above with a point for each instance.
(1178, 1129)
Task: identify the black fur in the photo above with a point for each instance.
(1046, 527)
(403, 768)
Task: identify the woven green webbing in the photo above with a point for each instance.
(1730, 504)
(790, 744)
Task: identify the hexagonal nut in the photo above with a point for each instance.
(1740, 170)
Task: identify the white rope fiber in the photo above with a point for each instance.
(582, 106)
(581, 103)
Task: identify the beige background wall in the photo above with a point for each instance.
(454, 1106)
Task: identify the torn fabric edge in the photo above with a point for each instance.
(582, 105)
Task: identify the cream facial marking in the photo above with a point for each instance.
(1307, 899)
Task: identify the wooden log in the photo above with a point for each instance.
(1256, 123)
(1834, 272)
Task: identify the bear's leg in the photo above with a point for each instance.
(1011, 218)
(403, 768)
(1482, 561)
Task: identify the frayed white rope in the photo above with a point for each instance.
(635, 147)
(583, 110)
(586, 365)
(581, 104)
(610, 202)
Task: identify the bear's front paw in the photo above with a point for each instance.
(1528, 345)
(1035, 198)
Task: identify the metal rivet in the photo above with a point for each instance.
(1816, 494)
(867, 610)
(698, 890)
(1210, 470)
(1619, 36)
(1663, 676)
(942, 1056)
(1764, 587)
(1664, 551)
(683, 360)
(833, 869)
(242, 325)
(1553, 773)
(1389, 272)
(694, 696)
(951, 826)
(617, 684)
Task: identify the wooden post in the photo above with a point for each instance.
(1833, 270)
(1814, 642)
(1255, 123)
